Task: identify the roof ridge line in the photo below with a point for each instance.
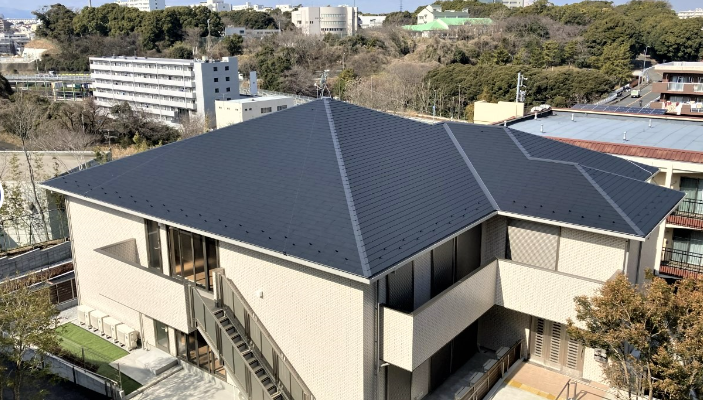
(470, 165)
(610, 199)
(347, 192)
(530, 157)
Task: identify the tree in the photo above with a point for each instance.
(28, 320)
(651, 335)
(181, 51)
(233, 44)
(5, 88)
(399, 18)
(21, 117)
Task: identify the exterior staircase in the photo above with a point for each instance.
(238, 337)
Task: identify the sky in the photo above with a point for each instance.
(11, 7)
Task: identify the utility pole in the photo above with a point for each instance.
(208, 37)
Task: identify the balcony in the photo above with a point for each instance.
(681, 264)
(133, 283)
(688, 214)
(410, 338)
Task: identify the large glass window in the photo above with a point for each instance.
(193, 256)
(153, 239)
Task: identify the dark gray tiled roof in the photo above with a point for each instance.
(360, 191)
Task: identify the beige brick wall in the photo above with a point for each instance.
(590, 254)
(540, 292)
(592, 370)
(493, 235)
(323, 323)
(410, 339)
(122, 290)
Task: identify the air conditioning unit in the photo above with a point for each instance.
(96, 320)
(127, 336)
(110, 328)
(84, 314)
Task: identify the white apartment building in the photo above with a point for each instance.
(230, 112)
(249, 33)
(330, 251)
(214, 5)
(697, 13)
(167, 89)
(371, 21)
(342, 20)
(143, 5)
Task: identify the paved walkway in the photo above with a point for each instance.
(187, 385)
(545, 383)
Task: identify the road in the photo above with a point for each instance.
(646, 94)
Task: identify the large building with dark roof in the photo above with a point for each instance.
(330, 251)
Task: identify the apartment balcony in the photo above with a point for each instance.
(143, 70)
(172, 91)
(410, 338)
(186, 83)
(688, 214)
(134, 284)
(681, 264)
(677, 88)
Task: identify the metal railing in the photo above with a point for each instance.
(690, 208)
(685, 260)
(261, 339)
(481, 388)
(242, 369)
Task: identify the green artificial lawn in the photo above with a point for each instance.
(98, 351)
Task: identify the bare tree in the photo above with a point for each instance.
(21, 117)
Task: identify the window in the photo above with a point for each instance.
(265, 110)
(217, 90)
(227, 78)
(279, 108)
(217, 80)
(153, 241)
(214, 69)
(227, 69)
(193, 257)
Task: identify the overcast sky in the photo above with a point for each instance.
(378, 6)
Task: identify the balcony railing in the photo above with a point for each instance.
(681, 263)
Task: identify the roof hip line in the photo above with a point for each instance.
(347, 192)
(471, 167)
(610, 201)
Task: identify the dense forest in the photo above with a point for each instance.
(572, 53)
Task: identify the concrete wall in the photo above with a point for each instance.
(323, 323)
(233, 112)
(205, 84)
(35, 259)
(487, 113)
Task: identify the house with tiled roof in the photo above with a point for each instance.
(329, 251)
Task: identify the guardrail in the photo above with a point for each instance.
(262, 340)
(241, 367)
(481, 388)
